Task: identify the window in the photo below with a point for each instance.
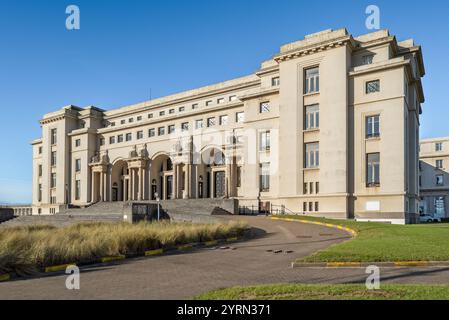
(52, 201)
(53, 158)
(312, 117)
(77, 165)
(317, 208)
(53, 180)
(102, 142)
(171, 111)
(372, 86)
(368, 59)
(194, 106)
(39, 170)
(208, 103)
(139, 135)
(239, 176)
(312, 155)
(131, 120)
(39, 195)
(233, 98)
(77, 189)
(53, 136)
(372, 127)
(151, 132)
(439, 146)
(129, 137)
(310, 206)
(171, 129)
(150, 116)
(112, 124)
(111, 140)
(185, 126)
(220, 100)
(312, 80)
(120, 138)
(162, 113)
(304, 206)
(139, 118)
(305, 188)
(161, 131)
(372, 169)
(439, 180)
(40, 150)
(199, 123)
(275, 81)
(264, 107)
(122, 121)
(317, 187)
(240, 117)
(265, 176)
(265, 141)
(223, 120)
(77, 143)
(211, 122)
(439, 164)
(182, 109)
(311, 187)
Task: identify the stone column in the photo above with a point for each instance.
(92, 198)
(175, 181)
(189, 181)
(140, 187)
(133, 184)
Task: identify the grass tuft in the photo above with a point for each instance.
(24, 250)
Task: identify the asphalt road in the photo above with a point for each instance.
(182, 276)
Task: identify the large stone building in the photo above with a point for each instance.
(328, 127)
(434, 177)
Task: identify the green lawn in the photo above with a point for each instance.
(329, 292)
(378, 242)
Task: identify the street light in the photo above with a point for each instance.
(158, 206)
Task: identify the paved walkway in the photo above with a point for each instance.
(181, 276)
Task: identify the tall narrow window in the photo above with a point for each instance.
(438, 146)
(372, 127)
(211, 122)
(199, 123)
(129, 137)
(275, 81)
(54, 139)
(112, 140)
(439, 164)
(265, 177)
(185, 126)
(312, 117)
(53, 180)
(77, 165)
(77, 143)
(264, 141)
(151, 132)
(77, 189)
(161, 131)
(312, 155)
(317, 187)
(139, 135)
(40, 170)
(372, 169)
(120, 138)
(305, 188)
(39, 195)
(239, 176)
(312, 80)
(53, 158)
(439, 180)
(171, 129)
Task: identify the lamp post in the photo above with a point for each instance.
(158, 206)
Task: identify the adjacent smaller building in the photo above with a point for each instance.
(434, 177)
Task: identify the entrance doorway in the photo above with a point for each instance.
(220, 184)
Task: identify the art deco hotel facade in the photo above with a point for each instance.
(328, 127)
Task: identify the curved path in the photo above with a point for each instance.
(181, 276)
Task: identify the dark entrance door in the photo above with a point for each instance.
(200, 190)
(219, 179)
(114, 193)
(169, 187)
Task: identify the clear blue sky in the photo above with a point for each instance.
(124, 48)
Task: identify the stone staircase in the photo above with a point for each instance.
(194, 210)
